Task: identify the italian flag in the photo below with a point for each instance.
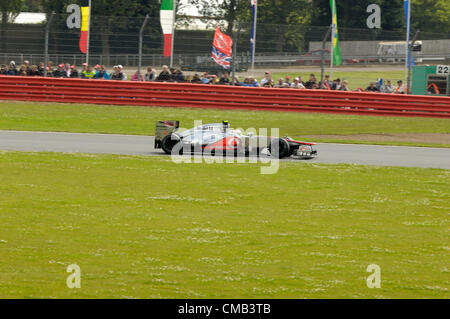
(167, 20)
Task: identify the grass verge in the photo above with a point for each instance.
(141, 120)
(144, 227)
(356, 79)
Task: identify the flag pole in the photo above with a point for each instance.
(331, 59)
(333, 33)
(408, 30)
(89, 34)
(173, 31)
(254, 37)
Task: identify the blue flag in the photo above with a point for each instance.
(254, 4)
(406, 6)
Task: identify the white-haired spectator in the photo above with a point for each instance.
(117, 75)
(297, 84)
(165, 75)
(27, 66)
(120, 67)
(12, 68)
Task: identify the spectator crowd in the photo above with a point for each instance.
(65, 70)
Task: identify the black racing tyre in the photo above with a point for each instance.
(169, 142)
(280, 148)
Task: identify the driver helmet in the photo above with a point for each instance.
(226, 125)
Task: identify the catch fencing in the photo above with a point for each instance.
(219, 97)
(115, 40)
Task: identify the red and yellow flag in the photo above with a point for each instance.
(85, 22)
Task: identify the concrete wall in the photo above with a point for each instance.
(434, 47)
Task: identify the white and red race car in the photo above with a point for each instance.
(219, 138)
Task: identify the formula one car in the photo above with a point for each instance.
(212, 139)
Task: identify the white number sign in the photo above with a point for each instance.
(443, 69)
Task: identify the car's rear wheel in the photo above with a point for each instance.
(280, 148)
(171, 142)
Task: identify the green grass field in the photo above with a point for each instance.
(144, 227)
(356, 79)
(141, 120)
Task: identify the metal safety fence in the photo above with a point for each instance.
(223, 97)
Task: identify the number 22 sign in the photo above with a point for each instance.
(443, 69)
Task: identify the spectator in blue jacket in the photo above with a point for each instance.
(179, 76)
(246, 82)
(253, 82)
(206, 79)
(101, 73)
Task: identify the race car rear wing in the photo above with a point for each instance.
(164, 128)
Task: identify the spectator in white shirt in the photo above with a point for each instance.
(297, 84)
(387, 87)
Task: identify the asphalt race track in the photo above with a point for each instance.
(143, 145)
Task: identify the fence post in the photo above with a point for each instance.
(322, 64)
(173, 32)
(141, 39)
(410, 57)
(234, 55)
(47, 30)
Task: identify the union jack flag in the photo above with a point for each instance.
(221, 58)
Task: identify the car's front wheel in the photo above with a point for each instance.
(280, 148)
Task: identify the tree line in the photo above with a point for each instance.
(427, 15)
(282, 23)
